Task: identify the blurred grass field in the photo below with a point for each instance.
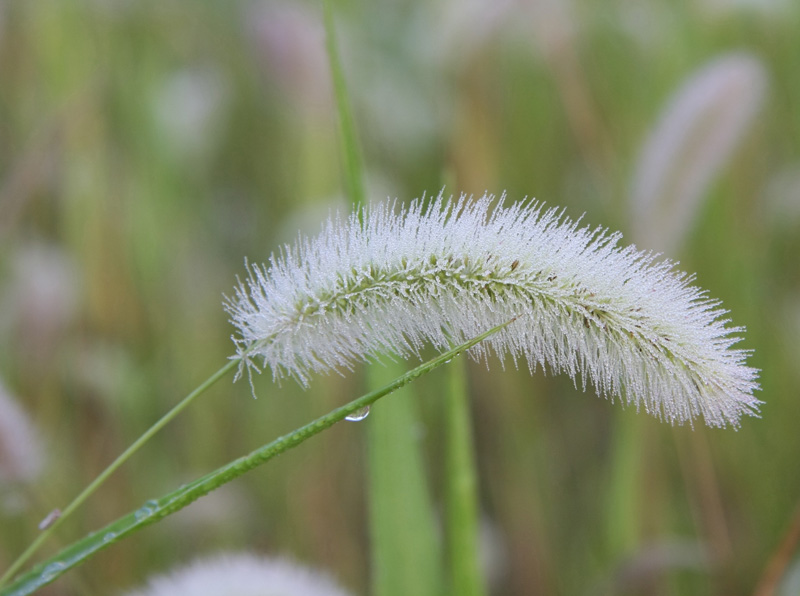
(147, 148)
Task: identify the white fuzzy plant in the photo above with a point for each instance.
(388, 280)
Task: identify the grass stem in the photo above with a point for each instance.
(461, 493)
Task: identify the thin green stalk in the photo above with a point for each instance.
(354, 177)
(406, 552)
(461, 492)
(103, 476)
(157, 509)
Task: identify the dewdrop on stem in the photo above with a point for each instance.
(390, 280)
(358, 415)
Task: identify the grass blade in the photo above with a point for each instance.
(157, 509)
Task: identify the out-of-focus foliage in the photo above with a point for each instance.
(147, 147)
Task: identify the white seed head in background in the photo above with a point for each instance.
(387, 281)
(698, 131)
(241, 575)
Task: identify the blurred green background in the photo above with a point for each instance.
(147, 147)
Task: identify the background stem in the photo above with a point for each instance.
(351, 154)
(461, 493)
(405, 546)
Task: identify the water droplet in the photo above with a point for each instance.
(148, 509)
(358, 415)
(109, 537)
(52, 570)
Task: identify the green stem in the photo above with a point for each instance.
(157, 509)
(97, 482)
(347, 130)
(461, 490)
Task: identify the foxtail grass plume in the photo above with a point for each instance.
(697, 133)
(388, 280)
(241, 575)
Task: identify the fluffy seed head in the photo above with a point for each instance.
(388, 280)
(241, 575)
